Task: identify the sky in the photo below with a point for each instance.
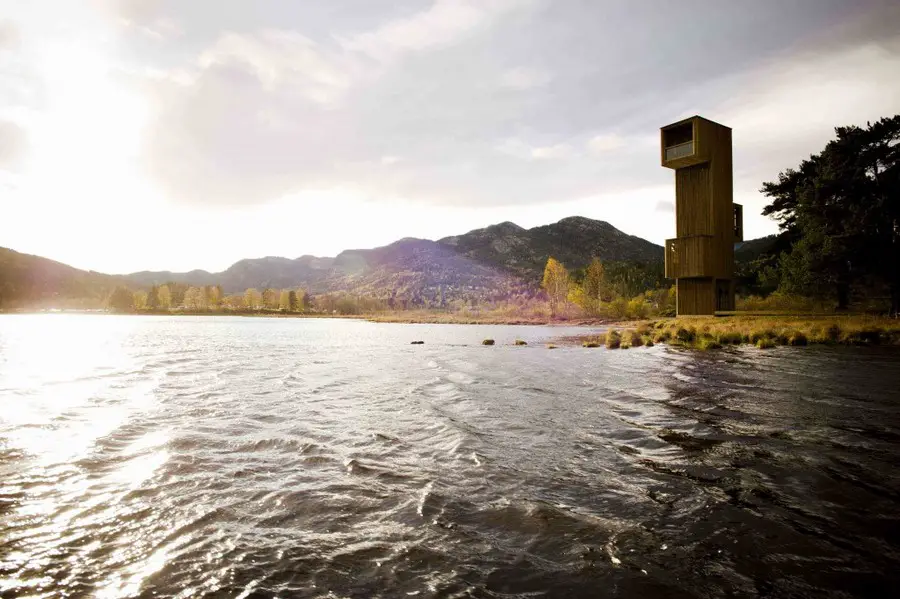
(173, 134)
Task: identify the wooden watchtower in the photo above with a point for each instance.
(707, 221)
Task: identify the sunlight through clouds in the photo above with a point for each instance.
(431, 118)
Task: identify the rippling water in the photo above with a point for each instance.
(255, 457)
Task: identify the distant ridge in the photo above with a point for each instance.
(485, 263)
(574, 241)
(476, 259)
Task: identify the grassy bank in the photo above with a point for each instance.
(707, 333)
(438, 317)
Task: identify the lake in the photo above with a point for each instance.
(263, 457)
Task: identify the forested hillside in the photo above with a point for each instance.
(28, 281)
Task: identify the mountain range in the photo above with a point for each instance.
(494, 261)
(490, 256)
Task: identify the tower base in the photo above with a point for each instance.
(704, 296)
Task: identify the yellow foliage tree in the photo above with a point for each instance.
(270, 299)
(194, 299)
(164, 296)
(234, 302)
(214, 296)
(253, 299)
(577, 296)
(596, 288)
(556, 284)
(140, 300)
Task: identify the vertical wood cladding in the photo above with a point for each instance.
(693, 201)
(701, 257)
(695, 296)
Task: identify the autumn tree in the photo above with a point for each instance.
(253, 299)
(164, 297)
(284, 303)
(270, 299)
(556, 284)
(194, 299)
(153, 298)
(120, 300)
(213, 295)
(140, 300)
(594, 287)
(234, 302)
(177, 291)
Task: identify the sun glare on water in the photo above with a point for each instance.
(76, 392)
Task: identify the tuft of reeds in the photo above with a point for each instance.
(797, 338)
(613, 339)
(760, 330)
(635, 339)
(520, 342)
(707, 342)
(730, 338)
(685, 335)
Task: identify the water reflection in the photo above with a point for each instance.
(261, 457)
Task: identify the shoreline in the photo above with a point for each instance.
(414, 317)
(763, 330)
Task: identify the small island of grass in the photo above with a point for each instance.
(762, 331)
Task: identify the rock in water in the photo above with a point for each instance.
(487, 342)
(417, 343)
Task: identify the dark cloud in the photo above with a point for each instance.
(465, 102)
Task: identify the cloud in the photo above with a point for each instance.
(283, 62)
(496, 102)
(13, 145)
(664, 206)
(523, 78)
(134, 10)
(446, 22)
(607, 142)
(554, 152)
(9, 36)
